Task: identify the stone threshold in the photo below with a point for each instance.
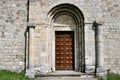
(65, 74)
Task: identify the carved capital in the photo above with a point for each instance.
(31, 25)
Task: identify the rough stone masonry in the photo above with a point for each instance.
(18, 51)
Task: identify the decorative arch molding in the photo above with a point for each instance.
(76, 14)
(68, 9)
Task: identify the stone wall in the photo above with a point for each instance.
(111, 34)
(105, 13)
(13, 20)
(13, 23)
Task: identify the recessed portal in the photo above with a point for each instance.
(67, 23)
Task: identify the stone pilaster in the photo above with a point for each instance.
(31, 44)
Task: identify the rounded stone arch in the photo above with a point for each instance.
(67, 9)
(76, 14)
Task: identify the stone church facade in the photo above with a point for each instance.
(77, 35)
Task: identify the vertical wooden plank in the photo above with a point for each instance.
(64, 46)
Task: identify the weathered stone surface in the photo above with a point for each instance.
(66, 78)
(42, 69)
(13, 24)
(13, 17)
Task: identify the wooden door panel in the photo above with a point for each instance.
(64, 50)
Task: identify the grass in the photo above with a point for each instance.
(100, 78)
(111, 77)
(9, 75)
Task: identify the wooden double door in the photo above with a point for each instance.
(64, 50)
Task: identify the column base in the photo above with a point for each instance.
(90, 69)
(101, 72)
(42, 69)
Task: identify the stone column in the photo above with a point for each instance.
(100, 48)
(100, 69)
(31, 27)
(26, 49)
(31, 55)
(30, 71)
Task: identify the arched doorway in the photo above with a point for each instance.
(67, 38)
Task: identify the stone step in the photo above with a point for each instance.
(66, 75)
(65, 78)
